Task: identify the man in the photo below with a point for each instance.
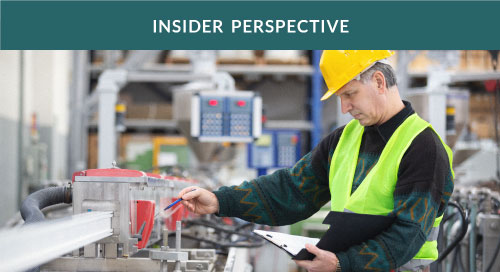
(386, 161)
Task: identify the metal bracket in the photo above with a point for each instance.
(168, 255)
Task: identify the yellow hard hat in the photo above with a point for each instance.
(341, 66)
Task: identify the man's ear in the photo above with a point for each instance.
(379, 81)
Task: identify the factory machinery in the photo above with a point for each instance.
(117, 221)
(119, 224)
(471, 230)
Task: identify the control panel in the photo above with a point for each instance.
(275, 149)
(226, 116)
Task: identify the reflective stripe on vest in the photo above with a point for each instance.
(375, 194)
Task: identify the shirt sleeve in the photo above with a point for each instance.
(422, 192)
(285, 196)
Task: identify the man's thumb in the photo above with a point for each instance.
(313, 249)
(188, 193)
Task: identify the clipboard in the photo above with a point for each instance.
(346, 230)
(291, 244)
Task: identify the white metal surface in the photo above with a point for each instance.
(437, 88)
(142, 179)
(195, 115)
(110, 83)
(289, 124)
(237, 260)
(78, 113)
(223, 139)
(237, 69)
(104, 265)
(142, 124)
(144, 76)
(35, 244)
(257, 117)
(463, 76)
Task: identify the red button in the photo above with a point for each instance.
(213, 102)
(241, 103)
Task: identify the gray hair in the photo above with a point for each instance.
(386, 69)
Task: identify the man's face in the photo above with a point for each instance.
(362, 101)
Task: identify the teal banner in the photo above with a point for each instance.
(249, 25)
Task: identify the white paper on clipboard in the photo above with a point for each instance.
(290, 243)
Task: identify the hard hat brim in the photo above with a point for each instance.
(327, 95)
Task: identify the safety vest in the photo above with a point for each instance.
(375, 194)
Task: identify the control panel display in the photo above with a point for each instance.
(230, 117)
(275, 149)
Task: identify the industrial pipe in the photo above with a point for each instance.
(31, 209)
(34, 203)
(464, 224)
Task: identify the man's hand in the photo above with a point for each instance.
(199, 201)
(325, 261)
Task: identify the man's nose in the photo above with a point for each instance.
(345, 105)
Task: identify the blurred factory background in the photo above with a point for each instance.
(63, 112)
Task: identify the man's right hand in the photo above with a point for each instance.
(199, 201)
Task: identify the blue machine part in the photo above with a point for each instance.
(211, 116)
(275, 149)
(240, 116)
(226, 116)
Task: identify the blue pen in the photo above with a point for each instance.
(175, 202)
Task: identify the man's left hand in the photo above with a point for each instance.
(325, 261)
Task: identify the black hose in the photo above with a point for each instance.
(223, 229)
(245, 225)
(457, 261)
(256, 243)
(225, 232)
(460, 236)
(34, 203)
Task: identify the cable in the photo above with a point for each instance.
(222, 244)
(460, 236)
(457, 259)
(209, 224)
(244, 226)
(35, 202)
(225, 232)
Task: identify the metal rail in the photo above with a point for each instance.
(35, 244)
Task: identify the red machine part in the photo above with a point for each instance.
(179, 213)
(145, 209)
(145, 216)
(108, 172)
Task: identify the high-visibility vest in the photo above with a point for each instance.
(375, 194)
